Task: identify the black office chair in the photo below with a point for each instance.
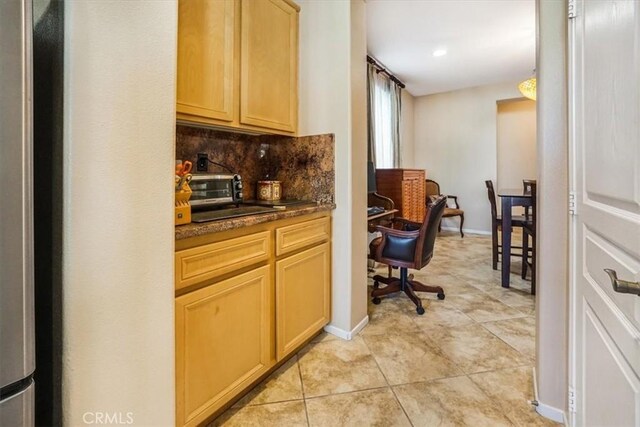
(410, 247)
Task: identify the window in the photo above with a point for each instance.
(384, 119)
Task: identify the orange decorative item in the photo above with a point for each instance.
(183, 168)
(269, 190)
(183, 194)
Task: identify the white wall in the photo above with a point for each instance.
(359, 129)
(119, 97)
(330, 102)
(455, 142)
(407, 130)
(516, 142)
(553, 217)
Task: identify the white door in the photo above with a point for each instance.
(606, 228)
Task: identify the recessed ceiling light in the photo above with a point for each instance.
(439, 52)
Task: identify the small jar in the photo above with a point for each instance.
(269, 190)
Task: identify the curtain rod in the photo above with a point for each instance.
(381, 69)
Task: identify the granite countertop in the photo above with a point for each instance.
(199, 229)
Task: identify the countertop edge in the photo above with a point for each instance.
(195, 230)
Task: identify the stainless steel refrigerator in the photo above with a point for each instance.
(17, 349)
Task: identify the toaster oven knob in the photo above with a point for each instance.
(238, 186)
(239, 195)
(237, 178)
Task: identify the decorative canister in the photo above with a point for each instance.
(269, 190)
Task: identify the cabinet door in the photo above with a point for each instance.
(222, 342)
(207, 58)
(269, 64)
(303, 297)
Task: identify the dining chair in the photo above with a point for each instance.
(432, 191)
(496, 225)
(529, 230)
(526, 187)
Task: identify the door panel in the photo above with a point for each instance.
(606, 228)
(269, 65)
(223, 342)
(18, 410)
(303, 297)
(17, 359)
(611, 103)
(207, 58)
(603, 407)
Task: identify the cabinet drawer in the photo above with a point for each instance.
(196, 265)
(298, 236)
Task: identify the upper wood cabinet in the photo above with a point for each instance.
(238, 64)
(208, 46)
(269, 64)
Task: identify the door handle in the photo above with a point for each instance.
(622, 286)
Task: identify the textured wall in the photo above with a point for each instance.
(553, 217)
(455, 142)
(516, 142)
(119, 112)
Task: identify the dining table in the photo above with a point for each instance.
(509, 198)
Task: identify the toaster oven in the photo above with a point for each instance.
(215, 190)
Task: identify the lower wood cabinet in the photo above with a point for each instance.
(246, 299)
(223, 342)
(303, 301)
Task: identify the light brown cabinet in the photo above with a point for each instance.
(406, 187)
(269, 64)
(223, 342)
(245, 300)
(208, 48)
(238, 64)
(303, 301)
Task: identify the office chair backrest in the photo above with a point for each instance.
(429, 229)
(492, 199)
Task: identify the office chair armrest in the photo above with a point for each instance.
(455, 199)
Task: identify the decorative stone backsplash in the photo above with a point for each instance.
(305, 165)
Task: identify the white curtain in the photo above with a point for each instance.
(384, 109)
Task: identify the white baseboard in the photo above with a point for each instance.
(547, 411)
(468, 230)
(344, 334)
(550, 412)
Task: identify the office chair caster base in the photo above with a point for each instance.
(376, 300)
(420, 310)
(440, 296)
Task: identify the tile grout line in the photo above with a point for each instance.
(388, 384)
(304, 398)
(495, 335)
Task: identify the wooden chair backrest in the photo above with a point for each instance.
(492, 199)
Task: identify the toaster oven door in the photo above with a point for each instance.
(211, 192)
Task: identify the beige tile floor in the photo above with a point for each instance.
(467, 361)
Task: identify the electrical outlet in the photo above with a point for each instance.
(202, 165)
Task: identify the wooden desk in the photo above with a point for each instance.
(375, 219)
(510, 198)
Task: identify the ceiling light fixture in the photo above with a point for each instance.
(439, 52)
(528, 87)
